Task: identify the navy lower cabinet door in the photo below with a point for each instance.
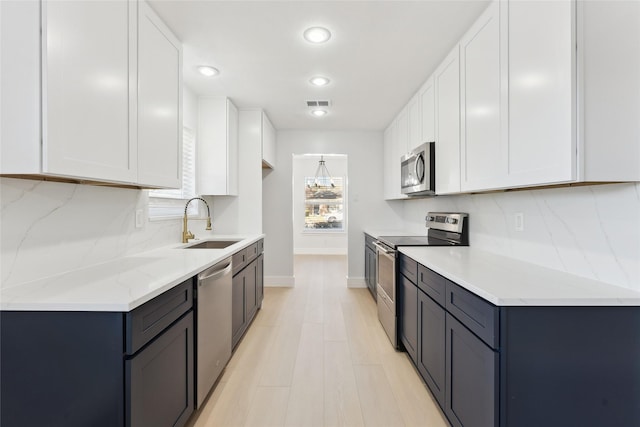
(160, 379)
(431, 345)
(409, 316)
(471, 378)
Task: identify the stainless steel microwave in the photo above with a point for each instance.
(418, 171)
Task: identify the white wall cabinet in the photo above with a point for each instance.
(159, 102)
(426, 98)
(446, 81)
(608, 115)
(86, 90)
(402, 145)
(73, 77)
(539, 105)
(217, 147)
(541, 60)
(483, 142)
(268, 143)
(392, 152)
(548, 94)
(414, 124)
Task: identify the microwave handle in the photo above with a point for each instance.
(419, 160)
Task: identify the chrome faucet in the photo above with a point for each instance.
(186, 234)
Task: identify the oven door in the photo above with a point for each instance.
(386, 290)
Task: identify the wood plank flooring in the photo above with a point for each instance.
(316, 355)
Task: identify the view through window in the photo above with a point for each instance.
(324, 204)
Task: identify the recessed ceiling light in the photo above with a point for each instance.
(317, 35)
(319, 113)
(208, 71)
(319, 81)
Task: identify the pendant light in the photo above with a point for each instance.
(322, 176)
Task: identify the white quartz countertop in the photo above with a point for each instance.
(508, 282)
(121, 284)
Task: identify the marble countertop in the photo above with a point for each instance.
(508, 282)
(121, 284)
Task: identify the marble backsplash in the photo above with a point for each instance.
(590, 231)
(47, 228)
(593, 231)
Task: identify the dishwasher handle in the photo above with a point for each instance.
(214, 273)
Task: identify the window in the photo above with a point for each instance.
(170, 203)
(324, 205)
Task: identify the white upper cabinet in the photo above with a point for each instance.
(447, 127)
(86, 92)
(402, 145)
(426, 99)
(609, 88)
(414, 122)
(268, 143)
(392, 152)
(159, 102)
(483, 140)
(74, 76)
(542, 137)
(217, 147)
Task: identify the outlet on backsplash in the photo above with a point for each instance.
(519, 221)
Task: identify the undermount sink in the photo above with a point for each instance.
(213, 244)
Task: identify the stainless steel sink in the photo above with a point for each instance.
(213, 244)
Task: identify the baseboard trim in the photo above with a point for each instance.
(279, 281)
(320, 251)
(356, 282)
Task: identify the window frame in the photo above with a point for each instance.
(343, 202)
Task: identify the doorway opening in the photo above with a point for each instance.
(320, 211)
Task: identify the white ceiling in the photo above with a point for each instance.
(379, 55)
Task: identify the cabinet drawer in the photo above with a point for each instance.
(260, 246)
(239, 260)
(151, 318)
(432, 284)
(409, 268)
(252, 252)
(480, 316)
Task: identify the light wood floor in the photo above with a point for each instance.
(316, 355)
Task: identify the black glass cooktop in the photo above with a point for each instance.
(395, 241)
(448, 239)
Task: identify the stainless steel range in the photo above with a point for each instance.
(443, 229)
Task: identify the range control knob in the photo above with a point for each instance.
(452, 220)
(430, 218)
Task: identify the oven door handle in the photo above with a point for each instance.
(383, 249)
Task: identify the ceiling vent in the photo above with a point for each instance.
(324, 103)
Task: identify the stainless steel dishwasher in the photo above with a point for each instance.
(213, 329)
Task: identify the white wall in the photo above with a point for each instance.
(367, 209)
(326, 241)
(590, 231)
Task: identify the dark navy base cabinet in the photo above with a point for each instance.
(108, 369)
(409, 319)
(61, 369)
(570, 366)
(522, 366)
(370, 263)
(247, 289)
(471, 391)
(431, 345)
